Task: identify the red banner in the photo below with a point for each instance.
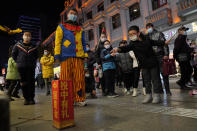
(62, 100)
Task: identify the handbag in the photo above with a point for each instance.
(182, 57)
(169, 67)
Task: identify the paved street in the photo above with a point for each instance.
(125, 113)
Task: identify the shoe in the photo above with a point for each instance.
(112, 95)
(11, 99)
(144, 91)
(168, 92)
(48, 93)
(156, 98)
(93, 96)
(134, 92)
(32, 102)
(180, 84)
(82, 104)
(128, 93)
(189, 85)
(124, 90)
(26, 102)
(148, 98)
(16, 96)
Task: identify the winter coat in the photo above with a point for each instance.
(47, 66)
(125, 62)
(181, 47)
(143, 51)
(161, 49)
(98, 51)
(25, 55)
(91, 60)
(12, 71)
(108, 61)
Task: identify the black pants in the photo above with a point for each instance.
(152, 76)
(186, 71)
(27, 82)
(90, 83)
(109, 76)
(11, 87)
(136, 77)
(165, 77)
(128, 80)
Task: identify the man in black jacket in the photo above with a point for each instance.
(89, 79)
(182, 54)
(162, 52)
(142, 47)
(25, 55)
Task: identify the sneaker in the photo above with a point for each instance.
(32, 102)
(115, 94)
(26, 102)
(168, 93)
(112, 95)
(11, 99)
(124, 90)
(82, 104)
(128, 93)
(148, 98)
(134, 92)
(189, 85)
(156, 99)
(16, 96)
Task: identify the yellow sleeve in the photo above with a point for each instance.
(58, 41)
(3, 29)
(15, 31)
(43, 61)
(51, 62)
(86, 55)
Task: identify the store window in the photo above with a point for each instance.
(101, 27)
(89, 15)
(90, 35)
(134, 11)
(158, 3)
(116, 21)
(100, 7)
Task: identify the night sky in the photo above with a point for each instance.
(48, 12)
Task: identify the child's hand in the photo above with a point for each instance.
(113, 54)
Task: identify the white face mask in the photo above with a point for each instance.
(26, 38)
(133, 38)
(107, 46)
(103, 39)
(45, 53)
(150, 30)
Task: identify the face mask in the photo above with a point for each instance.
(150, 30)
(103, 39)
(107, 46)
(72, 17)
(133, 38)
(45, 53)
(87, 49)
(185, 33)
(26, 38)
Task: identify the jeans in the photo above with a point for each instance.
(46, 82)
(151, 77)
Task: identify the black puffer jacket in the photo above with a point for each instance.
(99, 48)
(125, 62)
(25, 55)
(143, 51)
(181, 46)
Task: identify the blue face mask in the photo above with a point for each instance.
(72, 17)
(87, 49)
(150, 30)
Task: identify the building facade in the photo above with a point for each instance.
(116, 16)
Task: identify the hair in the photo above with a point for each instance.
(88, 45)
(74, 9)
(27, 31)
(134, 27)
(149, 24)
(106, 41)
(103, 33)
(123, 42)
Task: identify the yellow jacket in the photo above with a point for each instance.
(10, 31)
(47, 66)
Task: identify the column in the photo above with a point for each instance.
(124, 27)
(108, 27)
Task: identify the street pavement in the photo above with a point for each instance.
(124, 113)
